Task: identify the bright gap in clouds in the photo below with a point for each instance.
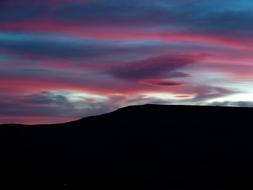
(77, 96)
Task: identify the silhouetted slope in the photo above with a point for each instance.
(178, 146)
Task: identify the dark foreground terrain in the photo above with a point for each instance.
(177, 147)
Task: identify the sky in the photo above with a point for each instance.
(61, 60)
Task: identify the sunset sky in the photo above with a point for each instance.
(61, 60)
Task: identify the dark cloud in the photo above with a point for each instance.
(42, 104)
(157, 67)
(203, 93)
(45, 98)
(52, 105)
(233, 103)
(161, 82)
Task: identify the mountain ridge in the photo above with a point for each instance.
(180, 146)
(145, 106)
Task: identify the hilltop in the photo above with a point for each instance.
(180, 147)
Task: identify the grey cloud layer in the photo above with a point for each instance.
(214, 16)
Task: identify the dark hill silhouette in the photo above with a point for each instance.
(180, 147)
